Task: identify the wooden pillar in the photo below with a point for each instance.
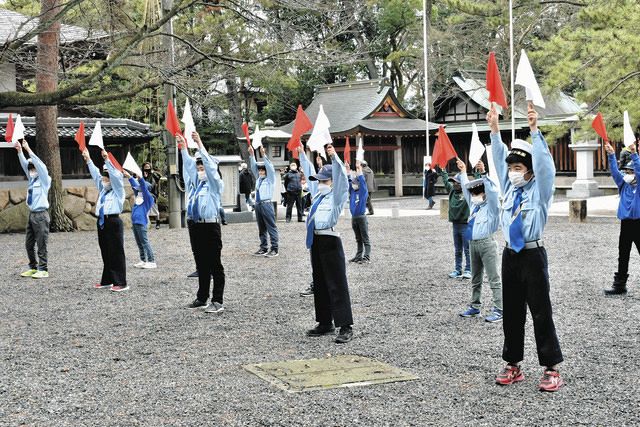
(397, 166)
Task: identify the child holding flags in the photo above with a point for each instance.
(482, 196)
(358, 196)
(458, 217)
(331, 298)
(38, 204)
(204, 188)
(526, 174)
(143, 203)
(265, 175)
(628, 214)
(110, 229)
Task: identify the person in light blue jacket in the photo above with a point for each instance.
(628, 214)
(265, 175)
(109, 206)
(329, 189)
(38, 204)
(358, 196)
(143, 202)
(482, 197)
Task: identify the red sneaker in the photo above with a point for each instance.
(101, 286)
(551, 381)
(509, 375)
(119, 288)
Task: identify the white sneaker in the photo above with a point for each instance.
(139, 264)
(149, 265)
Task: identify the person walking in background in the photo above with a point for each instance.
(372, 186)
(458, 217)
(153, 178)
(265, 175)
(628, 214)
(358, 194)
(247, 183)
(293, 186)
(110, 228)
(429, 184)
(38, 204)
(143, 201)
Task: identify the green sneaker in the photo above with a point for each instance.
(28, 273)
(41, 274)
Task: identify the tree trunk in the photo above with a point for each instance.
(235, 111)
(48, 146)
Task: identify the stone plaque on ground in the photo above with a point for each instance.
(333, 372)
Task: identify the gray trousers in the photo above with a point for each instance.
(37, 233)
(484, 255)
(360, 226)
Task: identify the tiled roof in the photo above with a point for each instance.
(347, 105)
(113, 129)
(15, 24)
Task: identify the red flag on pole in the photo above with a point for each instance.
(301, 126)
(8, 134)
(245, 130)
(114, 162)
(599, 127)
(171, 120)
(347, 151)
(79, 137)
(443, 150)
(494, 82)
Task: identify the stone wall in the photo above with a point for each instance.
(79, 206)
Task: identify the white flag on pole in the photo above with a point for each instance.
(320, 136)
(477, 148)
(256, 138)
(526, 78)
(131, 165)
(18, 130)
(629, 136)
(360, 151)
(189, 125)
(96, 136)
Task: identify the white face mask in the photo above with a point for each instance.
(33, 174)
(629, 178)
(293, 167)
(324, 188)
(477, 199)
(139, 200)
(106, 185)
(202, 175)
(356, 187)
(517, 179)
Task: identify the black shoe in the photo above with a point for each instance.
(194, 274)
(272, 253)
(300, 220)
(345, 335)
(355, 259)
(288, 220)
(619, 286)
(197, 304)
(261, 252)
(364, 260)
(321, 330)
(157, 226)
(224, 222)
(307, 292)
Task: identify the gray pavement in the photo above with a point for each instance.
(74, 356)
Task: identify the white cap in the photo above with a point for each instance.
(519, 144)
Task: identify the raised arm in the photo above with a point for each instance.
(498, 150)
(340, 180)
(308, 170)
(211, 169)
(271, 171)
(23, 162)
(189, 171)
(117, 182)
(93, 169)
(543, 167)
(613, 165)
(146, 194)
(41, 168)
(445, 180)
(491, 193)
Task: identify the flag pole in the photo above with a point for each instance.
(426, 73)
(513, 95)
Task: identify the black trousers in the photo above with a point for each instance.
(206, 244)
(369, 205)
(629, 234)
(330, 287)
(294, 197)
(111, 241)
(525, 282)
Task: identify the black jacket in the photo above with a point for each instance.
(292, 181)
(246, 182)
(430, 178)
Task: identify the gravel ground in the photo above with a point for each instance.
(74, 356)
